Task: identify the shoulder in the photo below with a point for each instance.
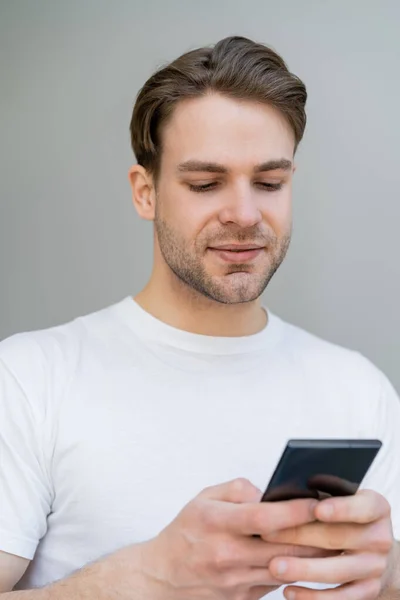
(41, 363)
(333, 364)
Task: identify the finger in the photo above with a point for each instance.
(257, 553)
(237, 491)
(288, 491)
(332, 485)
(359, 590)
(337, 536)
(263, 518)
(257, 577)
(330, 536)
(338, 569)
(364, 507)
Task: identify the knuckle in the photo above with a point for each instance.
(258, 519)
(385, 544)
(335, 539)
(224, 555)
(295, 534)
(201, 513)
(208, 517)
(207, 492)
(229, 581)
(380, 566)
(241, 484)
(387, 509)
(241, 490)
(374, 589)
(383, 537)
(374, 504)
(368, 515)
(383, 506)
(331, 544)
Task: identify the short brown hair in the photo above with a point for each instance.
(235, 67)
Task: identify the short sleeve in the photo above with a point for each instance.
(25, 487)
(384, 476)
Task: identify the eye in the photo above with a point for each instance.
(270, 187)
(204, 187)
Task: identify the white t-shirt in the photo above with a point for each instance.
(110, 424)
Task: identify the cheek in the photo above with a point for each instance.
(183, 208)
(190, 217)
(278, 213)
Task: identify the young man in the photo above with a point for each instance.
(135, 441)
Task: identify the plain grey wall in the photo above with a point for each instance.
(70, 242)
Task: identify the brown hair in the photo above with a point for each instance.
(236, 67)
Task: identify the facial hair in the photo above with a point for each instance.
(240, 283)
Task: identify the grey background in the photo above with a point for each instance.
(70, 242)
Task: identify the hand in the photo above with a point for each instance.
(360, 527)
(208, 551)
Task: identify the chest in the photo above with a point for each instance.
(133, 448)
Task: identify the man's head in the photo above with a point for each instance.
(214, 134)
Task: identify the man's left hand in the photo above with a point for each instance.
(369, 564)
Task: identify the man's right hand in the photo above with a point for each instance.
(209, 551)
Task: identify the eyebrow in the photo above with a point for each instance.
(196, 166)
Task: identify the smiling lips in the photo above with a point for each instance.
(237, 253)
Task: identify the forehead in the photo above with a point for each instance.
(225, 130)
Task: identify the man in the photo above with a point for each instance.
(135, 441)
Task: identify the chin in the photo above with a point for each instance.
(243, 301)
(234, 300)
(241, 295)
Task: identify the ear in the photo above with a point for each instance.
(143, 192)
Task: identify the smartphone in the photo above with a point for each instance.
(321, 468)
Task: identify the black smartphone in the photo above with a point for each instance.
(321, 468)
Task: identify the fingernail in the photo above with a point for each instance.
(281, 567)
(290, 595)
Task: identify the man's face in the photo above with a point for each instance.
(223, 209)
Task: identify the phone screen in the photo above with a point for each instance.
(321, 468)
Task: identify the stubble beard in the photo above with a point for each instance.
(239, 284)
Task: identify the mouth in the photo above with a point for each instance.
(237, 253)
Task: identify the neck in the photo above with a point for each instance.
(174, 303)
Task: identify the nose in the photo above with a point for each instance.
(240, 208)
